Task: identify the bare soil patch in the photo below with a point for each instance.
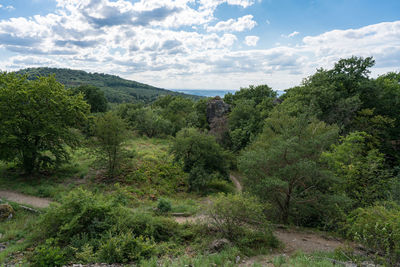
(19, 198)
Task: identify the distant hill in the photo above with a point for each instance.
(116, 89)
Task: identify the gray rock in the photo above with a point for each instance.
(216, 108)
(218, 244)
(237, 261)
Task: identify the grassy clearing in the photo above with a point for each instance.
(49, 185)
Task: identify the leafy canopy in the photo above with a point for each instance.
(201, 155)
(36, 118)
(282, 166)
(94, 97)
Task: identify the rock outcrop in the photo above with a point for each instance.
(216, 109)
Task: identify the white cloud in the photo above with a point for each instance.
(251, 40)
(290, 35)
(233, 25)
(148, 41)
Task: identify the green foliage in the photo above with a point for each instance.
(179, 111)
(116, 89)
(95, 224)
(94, 97)
(48, 254)
(250, 106)
(36, 119)
(13, 232)
(241, 219)
(360, 168)
(224, 258)
(378, 228)
(336, 95)
(245, 122)
(110, 133)
(282, 166)
(201, 156)
(145, 120)
(164, 205)
(125, 248)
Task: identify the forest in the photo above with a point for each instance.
(89, 175)
(116, 89)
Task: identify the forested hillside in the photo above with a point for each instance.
(116, 89)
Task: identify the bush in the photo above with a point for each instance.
(124, 248)
(94, 227)
(240, 219)
(48, 254)
(378, 228)
(202, 157)
(164, 205)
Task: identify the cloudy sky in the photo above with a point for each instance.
(199, 44)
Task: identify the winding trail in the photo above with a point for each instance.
(23, 199)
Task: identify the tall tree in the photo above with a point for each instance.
(360, 169)
(282, 166)
(335, 95)
(250, 106)
(94, 96)
(110, 133)
(36, 118)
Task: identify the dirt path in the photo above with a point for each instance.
(236, 182)
(308, 242)
(19, 198)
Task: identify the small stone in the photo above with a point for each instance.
(237, 259)
(219, 244)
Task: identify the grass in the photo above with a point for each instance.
(14, 233)
(224, 258)
(51, 184)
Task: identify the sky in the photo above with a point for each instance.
(199, 44)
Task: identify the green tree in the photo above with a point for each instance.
(335, 95)
(201, 155)
(180, 111)
(250, 106)
(360, 169)
(282, 166)
(148, 121)
(94, 97)
(110, 133)
(36, 118)
(245, 122)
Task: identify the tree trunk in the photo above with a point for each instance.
(28, 161)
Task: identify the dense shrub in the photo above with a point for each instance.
(124, 248)
(48, 254)
(378, 228)
(240, 218)
(98, 228)
(202, 157)
(164, 205)
(158, 176)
